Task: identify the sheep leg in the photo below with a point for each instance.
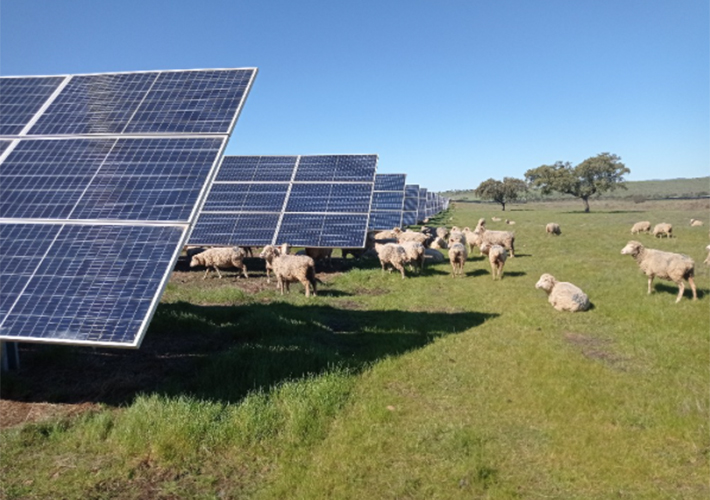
(650, 280)
(400, 268)
(681, 289)
(207, 270)
(244, 272)
(692, 287)
(218, 273)
(307, 286)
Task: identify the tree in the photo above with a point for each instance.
(501, 192)
(595, 175)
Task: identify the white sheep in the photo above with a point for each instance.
(268, 253)
(641, 227)
(442, 232)
(510, 222)
(506, 239)
(663, 229)
(393, 254)
(408, 235)
(496, 219)
(669, 266)
(563, 296)
(415, 254)
(438, 243)
(214, 258)
(470, 238)
(291, 268)
(553, 228)
(458, 253)
(696, 222)
(497, 255)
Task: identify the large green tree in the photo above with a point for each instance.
(501, 192)
(595, 175)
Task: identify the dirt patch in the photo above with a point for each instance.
(17, 412)
(596, 348)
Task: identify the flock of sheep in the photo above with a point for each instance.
(397, 249)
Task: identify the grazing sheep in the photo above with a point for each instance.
(553, 228)
(393, 254)
(439, 243)
(415, 254)
(291, 268)
(641, 227)
(497, 256)
(669, 266)
(442, 232)
(707, 259)
(663, 229)
(320, 254)
(562, 295)
(496, 219)
(506, 239)
(696, 222)
(458, 253)
(511, 222)
(214, 258)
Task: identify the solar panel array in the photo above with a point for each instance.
(411, 204)
(310, 201)
(101, 179)
(387, 201)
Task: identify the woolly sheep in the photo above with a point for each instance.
(506, 239)
(410, 236)
(393, 254)
(214, 258)
(496, 219)
(438, 243)
(497, 256)
(511, 222)
(458, 253)
(291, 268)
(562, 295)
(269, 253)
(553, 228)
(470, 238)
(415, 254)
(663, 229)
(669, 266)
(696, 222)
(442, 232)
(641, 227)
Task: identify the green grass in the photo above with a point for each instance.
(430, 387)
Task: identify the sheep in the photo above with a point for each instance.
(442, 232)
(508, 221)
(456, 237)
(553, 228)
(214, 258)
(292, 268)
(268, 253)
(696, 222)
(562, 295)
(320, 254)
(410, 236)
(506, 239)
(669, 266)
(415, 254)
(663, 229)
(438, 243)
(707, 259)
(496, 219)
(393, 254)
(641, 227)
(458, 253)
(470, 238)
(497, 255)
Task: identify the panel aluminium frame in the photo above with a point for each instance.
(182, 226)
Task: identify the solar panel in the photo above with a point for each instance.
(315, 201)
(387, 201)
(411, 204)
(93, 225)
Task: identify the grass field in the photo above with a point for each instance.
(429, 387)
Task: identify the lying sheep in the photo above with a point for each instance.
(663, 229)
(696, 222)
(508, 221)
(496, 219)
(392, 254)
(214, 258)
(458, 253)
(291, 268)
(497, 256)
(506, 239)
(641, 227)
(410, 236)
(669, 266)
(562, 295)
(553, 228)
(415, 254)
(438, 243)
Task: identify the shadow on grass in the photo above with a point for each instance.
(221, 353)
(673, 290)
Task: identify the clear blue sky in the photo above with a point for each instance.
(449, 92)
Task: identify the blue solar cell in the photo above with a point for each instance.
(411, 204)
(4, 145)
(411, 191)
(385, 220)
(45, 178)
(150, 179)
(246, 198)
(95, 285)
(386, 200)
(234, 229)
(192, 102)
(257, 168)
(409, 218)
(350, 198)
(23, 246)
(389, 182)
(321, 230)
(337, 168)
(21, 98)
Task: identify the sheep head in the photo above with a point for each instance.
(632, 248)
(546, 282)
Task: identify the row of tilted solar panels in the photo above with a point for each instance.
(105, 176)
